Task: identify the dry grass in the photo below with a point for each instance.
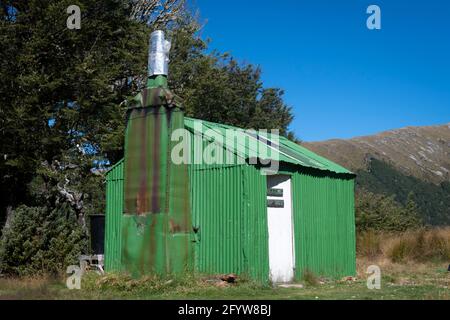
(309, 278)
(413, 266)
(368, 243)
(408, 273)
(421, 246)
(413, 258)
(424, 245)
(26, 287)
(399, 281)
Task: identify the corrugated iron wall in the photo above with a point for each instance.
(229, 210)
(255, 231)
(113, 219)
(156, 226)
(217, 204)
(324, 224)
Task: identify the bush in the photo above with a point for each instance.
(432, 201)
(382, 213)
(37, 240)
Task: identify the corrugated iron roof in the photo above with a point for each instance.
(279, 148)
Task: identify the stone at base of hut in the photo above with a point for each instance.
(291, 285)
(230, 278)
(349, 279)
(222, 281)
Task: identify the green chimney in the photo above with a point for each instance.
(156, 226)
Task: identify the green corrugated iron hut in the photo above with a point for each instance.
(242, 216)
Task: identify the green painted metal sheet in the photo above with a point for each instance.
(156, 225)
(217, 204)
(113, 218)
(249, 144)
(255, 231)
(228, 208)
(151, 117)
(290, 152)
(229, 211)
(224, 198)
(324, 225)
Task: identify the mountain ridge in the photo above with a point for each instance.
(420, 151)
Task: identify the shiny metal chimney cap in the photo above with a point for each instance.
(158, 55)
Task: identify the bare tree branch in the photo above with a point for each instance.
(157, 13)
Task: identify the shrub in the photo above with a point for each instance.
(40, 241)
(382, 213)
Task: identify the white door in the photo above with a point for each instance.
(279, 220)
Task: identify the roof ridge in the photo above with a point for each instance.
(288, 151)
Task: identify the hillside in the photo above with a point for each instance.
(411, 161)
(423, 152)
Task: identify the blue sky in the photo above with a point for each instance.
(342, 79)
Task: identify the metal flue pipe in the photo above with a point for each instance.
(158, 55)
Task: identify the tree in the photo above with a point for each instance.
(61, 89)
(412, 210)
(61, 120)
(157, 13)
(61, 108)
(433, 201)
(38, 241)
(382, 213)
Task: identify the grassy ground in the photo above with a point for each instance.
(399, 281)
(413, 266)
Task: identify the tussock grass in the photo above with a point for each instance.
(413, 265)
(186, 285)
(120, 285)
(309, 278)
(125, 283)
(423, 245)
(26, 287)
(368, 243)
(399, 281)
